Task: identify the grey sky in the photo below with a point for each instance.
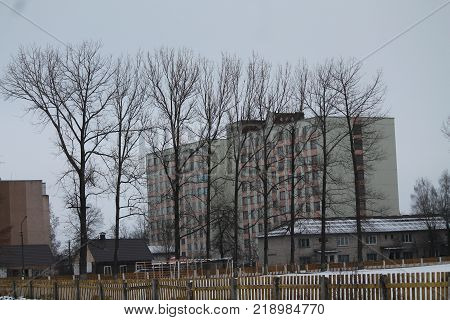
(416, 66)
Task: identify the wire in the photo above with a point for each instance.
(405, 31)
(34, 24)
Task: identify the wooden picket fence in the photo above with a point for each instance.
(394, 286)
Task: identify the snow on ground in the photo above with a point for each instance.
(429, 268)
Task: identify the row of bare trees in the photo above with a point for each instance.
(433, 204)
(182, 105)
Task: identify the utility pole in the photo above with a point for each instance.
(21, 241)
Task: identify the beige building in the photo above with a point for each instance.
(401, 237)
(20, 199)
(378, 179)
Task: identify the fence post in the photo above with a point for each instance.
(77, 288)
(55, 290)
(233, 286)
(190, 295)
(101, 293)
(125, 290)
(448, 285)
(323, 285)
(30, 284)
(14, 289)
(155, 288)
(383, 288)
(276, 289)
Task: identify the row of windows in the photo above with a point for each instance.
(344, 240)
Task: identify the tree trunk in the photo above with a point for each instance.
(176, 204)
(323, 258)
(292, 202)
(235, 212)
(83, 226)
(266, 210)
(208, 204)
(116, 232)
(358, 197)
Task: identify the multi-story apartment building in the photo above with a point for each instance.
(268, 150)
(24, 207)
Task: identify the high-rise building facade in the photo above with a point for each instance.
(24, 207)
(270, 149)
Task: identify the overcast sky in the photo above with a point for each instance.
(416, 66)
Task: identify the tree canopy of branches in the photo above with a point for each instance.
(433, 204)
(361, 107)
(172, 78)
(67, 89)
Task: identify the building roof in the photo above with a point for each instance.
(33, 256)
(370, 225)
(102, 250)
(161, 249)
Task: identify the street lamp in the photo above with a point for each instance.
(21, 240)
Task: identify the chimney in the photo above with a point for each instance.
(102, 236)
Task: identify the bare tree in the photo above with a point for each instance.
(54, 243)
(68, 90)
(271, 96)
(297, 150)
(240, 124)
(444, 203)
(215, 91)
(172, 87)
(222, 224)
(446, 128)
(321, 103)
(425, 203)
(122, 158)
(360, 105)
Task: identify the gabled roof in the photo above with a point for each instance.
(370, 225)
(33, 256)
(102, 250)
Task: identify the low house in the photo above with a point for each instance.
(37, 259)
(393, 237)
(133, 254)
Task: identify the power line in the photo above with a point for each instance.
(418, 22)
(34, 23)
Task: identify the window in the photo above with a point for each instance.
(315, 175)
(303, 243)
(313, 144)
(107, 270)
(343, 258)
(371, 239)
(123, 268)
(314, 160)
(280, 165)
(317, 206)
(280, 151)
(315, 190)
(260, 227)
(342, 241)
(308, 207)
(407, 238)
(372, 256)
(282, 195)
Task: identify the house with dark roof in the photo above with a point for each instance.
(393, 237)
(37, 259)
(133, 255)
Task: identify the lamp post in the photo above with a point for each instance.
(21, 240)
